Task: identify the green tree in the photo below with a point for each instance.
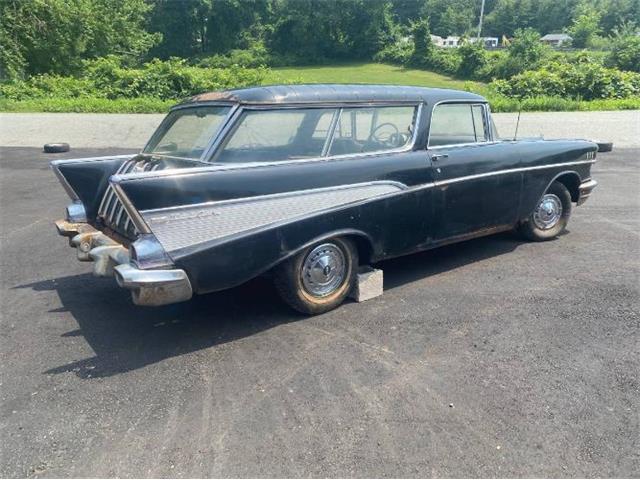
(525, 52)
(585, 27)
(625, 49)
(451, 17)
(56, 35)
(473, 58)
(423, 49)
(313, 30)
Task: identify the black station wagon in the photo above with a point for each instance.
(307, 183)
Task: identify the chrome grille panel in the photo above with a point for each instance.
(111, 211)
(177, 228)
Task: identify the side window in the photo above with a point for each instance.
(457, 123)
(277, 135)
(372, 129)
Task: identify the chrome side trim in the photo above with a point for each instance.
(63, 161)
(186, 225)
(296, 193)
(510, 170)
(182, 227)
(63, 181)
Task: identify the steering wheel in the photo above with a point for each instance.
(385, 138)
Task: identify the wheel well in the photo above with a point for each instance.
(365, 249)
(572, 182)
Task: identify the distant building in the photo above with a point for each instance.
(451, 42)
(556, 39)
(489, 42)
(437, 41)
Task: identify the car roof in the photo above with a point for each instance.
(333, 93)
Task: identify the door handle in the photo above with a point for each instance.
(436, 158)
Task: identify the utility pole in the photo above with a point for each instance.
(480, 23)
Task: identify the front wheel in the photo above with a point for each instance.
(551, 215)
(319, 278)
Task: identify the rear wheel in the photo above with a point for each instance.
(551, 215)
(319, 278)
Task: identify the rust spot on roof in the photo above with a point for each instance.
(213, 96)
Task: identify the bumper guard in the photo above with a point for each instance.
(585, 190)
(110, 258)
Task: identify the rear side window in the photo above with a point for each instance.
(458, 123)
(372, 129)
(277, 135)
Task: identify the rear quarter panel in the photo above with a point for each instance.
(544, 161)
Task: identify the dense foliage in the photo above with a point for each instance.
(584, 80)
(107, 78)
(163, 50)
(54, 36)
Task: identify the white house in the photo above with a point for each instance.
(489, 42)
(437, 40)
(556, 39)
(451, 42)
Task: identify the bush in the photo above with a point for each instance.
(107, 78)
(398, 53)
(625, 53)
(473, 60)
(256, 56)
(526, 52)
(586, 81)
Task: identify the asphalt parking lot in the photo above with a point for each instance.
(493, 357)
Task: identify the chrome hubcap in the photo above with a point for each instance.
(324, 270)
(548, 212)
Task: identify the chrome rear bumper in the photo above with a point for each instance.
(586, 188)
(110, 258)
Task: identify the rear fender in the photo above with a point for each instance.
(86, 179)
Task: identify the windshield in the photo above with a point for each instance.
(186, 132)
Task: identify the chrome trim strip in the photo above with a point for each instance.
(510, 170)
(90, 159)
(331, 133)
(399, 185)
(65, 184)
(403, 188)
(54, 164)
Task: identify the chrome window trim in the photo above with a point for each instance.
(339, 106)
(212, 166)
(331, 133)
(215, 135)
(457, 102)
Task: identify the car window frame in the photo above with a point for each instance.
(233, 107)
(486, 118)
(234, 116)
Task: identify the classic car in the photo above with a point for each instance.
(307, 183)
